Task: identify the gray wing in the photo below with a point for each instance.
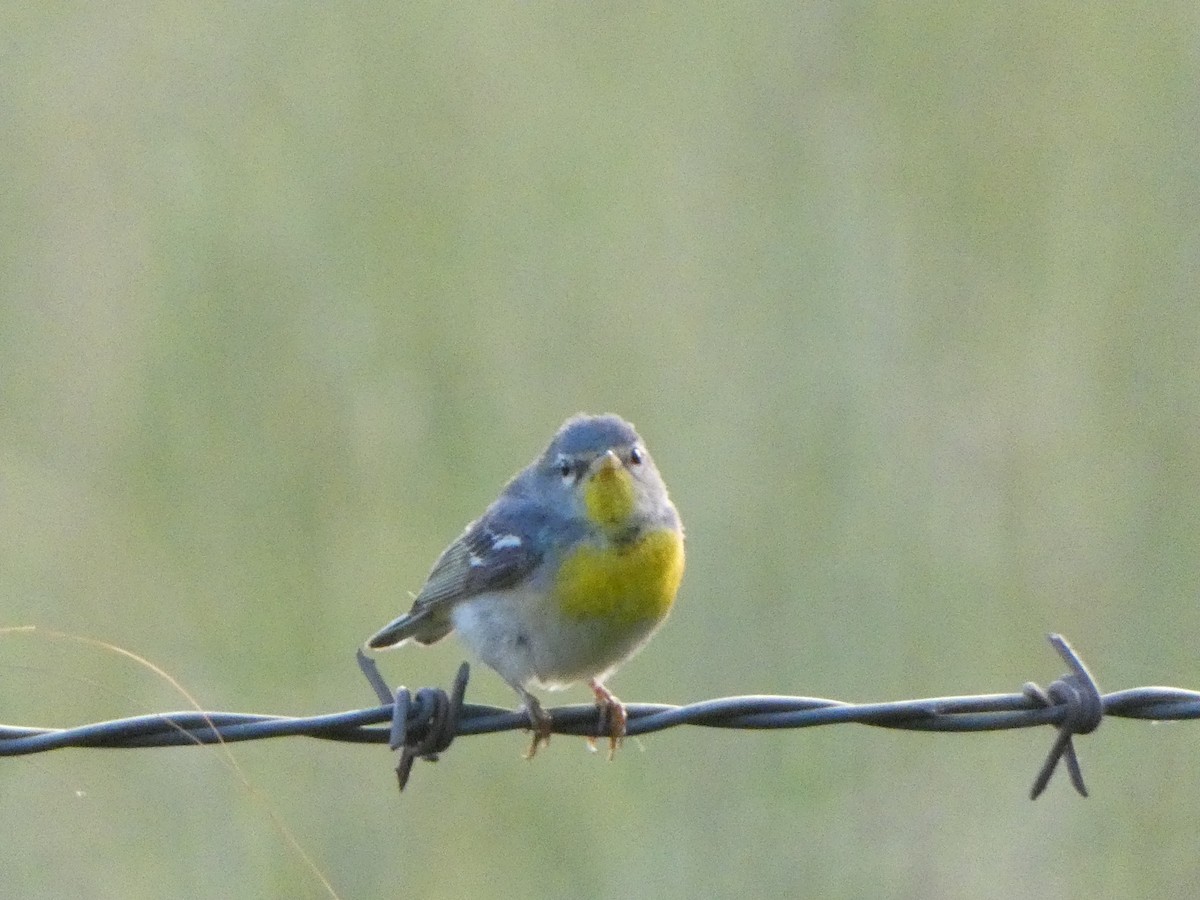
(495, 552)
(490, 555)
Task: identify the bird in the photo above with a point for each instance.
(565, 576)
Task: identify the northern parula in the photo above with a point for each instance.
(565, 576)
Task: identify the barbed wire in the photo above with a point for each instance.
(422, 725)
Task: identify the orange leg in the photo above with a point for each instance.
(539, 722)
(614, 714)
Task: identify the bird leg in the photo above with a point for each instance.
(612, 713)
(539, 722)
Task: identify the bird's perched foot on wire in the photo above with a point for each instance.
(612, 714)
(540, 723)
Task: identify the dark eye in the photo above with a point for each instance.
(635, 457)
(564, 469)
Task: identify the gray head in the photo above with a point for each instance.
(605, 447)
(583, 434)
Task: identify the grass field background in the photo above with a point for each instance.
(902, 297)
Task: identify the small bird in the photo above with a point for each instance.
(565, 576)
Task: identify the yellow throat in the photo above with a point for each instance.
(622, 583)
(608, 495)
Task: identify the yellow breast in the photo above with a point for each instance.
(623, 584)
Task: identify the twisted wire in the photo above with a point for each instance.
(422, 725)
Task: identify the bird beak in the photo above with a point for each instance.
(605, 466)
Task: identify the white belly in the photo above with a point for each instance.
(529, 644)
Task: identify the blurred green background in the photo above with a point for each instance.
(903, 298)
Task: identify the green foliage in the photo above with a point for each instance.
(903, 298)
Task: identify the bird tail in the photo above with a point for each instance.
(421, 626)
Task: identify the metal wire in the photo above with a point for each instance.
(423, 724)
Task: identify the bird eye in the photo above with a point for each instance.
(565, 469)
(635, 456)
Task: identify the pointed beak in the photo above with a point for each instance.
(605, 466)
(608, 492)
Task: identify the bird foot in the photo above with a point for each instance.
(540, 723)
(612, 713)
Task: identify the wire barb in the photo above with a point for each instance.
(1079, 694)
(436, 710)
(371, 672)
(422, 725)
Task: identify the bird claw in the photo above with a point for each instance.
(613, 721)
(541, 725)
(612, 714)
